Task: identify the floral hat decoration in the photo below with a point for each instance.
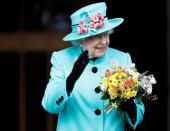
(89, 21)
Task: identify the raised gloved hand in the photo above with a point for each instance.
(130, 107)
(77, 70)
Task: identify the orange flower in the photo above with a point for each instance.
(108, 73)
(128, 83)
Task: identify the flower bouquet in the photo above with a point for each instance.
(124, 83)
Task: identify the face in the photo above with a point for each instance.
(96, 45)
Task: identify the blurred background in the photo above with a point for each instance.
(30, 30)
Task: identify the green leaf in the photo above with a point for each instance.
(105, 95)
(118, 101)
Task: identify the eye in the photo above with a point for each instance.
(94, 37)
(97, 36)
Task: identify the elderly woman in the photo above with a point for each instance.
(73, 89)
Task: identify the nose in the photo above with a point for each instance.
(103, 37)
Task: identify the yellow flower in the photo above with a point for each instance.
(136, 82)
(128, 94)
(112, 77)
(114, 105)
(131, 93)
(114, 83)
(104, 81)
(119, 75)
(124, 74)
(119, 69)
(113, 93)
(121, 84)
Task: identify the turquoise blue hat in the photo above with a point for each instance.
(89, 21)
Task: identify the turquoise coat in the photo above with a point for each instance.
(84, 109)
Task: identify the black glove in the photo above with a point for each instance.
(77, 70)
(130, 107)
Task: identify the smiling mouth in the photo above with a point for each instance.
(101, 49)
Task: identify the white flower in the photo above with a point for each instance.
(132, 72)
(144, 86)
(114, 62)
(144, 83)
(136, 75)
(132, 65)
(149, 89)
(102, 87)
(152, 80)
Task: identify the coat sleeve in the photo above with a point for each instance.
(140, 108)
(55, 96)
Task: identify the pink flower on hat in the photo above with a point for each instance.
(82, 24)
(82, 29)
(92, 24)
(95, 19)
(96, 25)
(100, 16)
(95, 22)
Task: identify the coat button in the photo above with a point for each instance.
(57, 102)
(94, 69)
(97, 112)
(62, 98)
(97, 89)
